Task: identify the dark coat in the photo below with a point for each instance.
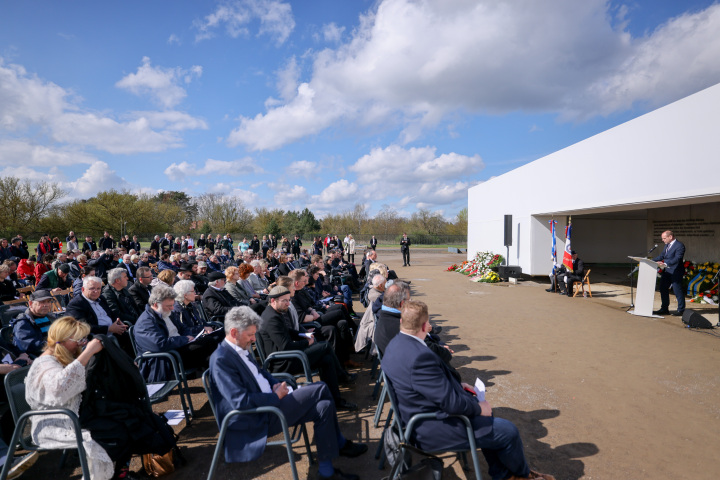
(51, 280)
(151, 335)
(121, 304)
(80, 309)
(140, 295)
(92, 246)
(189, 315)
(102, 264)
(276, 337)
(217, 302)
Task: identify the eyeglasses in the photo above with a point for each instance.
(80, 341)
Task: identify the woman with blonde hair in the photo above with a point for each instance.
(56, 380)
(232, 275)
(166, 276)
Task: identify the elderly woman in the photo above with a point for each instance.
(257, 280)
(351, 249)
(186, 308)
(56, 380)
(366, 330)
(245, 270)
(232, 275)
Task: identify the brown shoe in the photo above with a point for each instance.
(352, 364)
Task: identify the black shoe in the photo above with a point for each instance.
(339, 475)
(352, 450)
(351, 377)
(408, 264)
(677, 314)
(343, 404)
(560, 292)
(662, 311)
(549, 289)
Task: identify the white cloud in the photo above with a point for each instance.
(232, 168)
(26, 173)
(25, 153)
(302, 168)
(162, 84)
(173, 39)
(287, 82)
(417, 174)
(340, 191)
(332, 33)
(410, 63)
(289, 198)
(107, 134)
(171, 120)
(97, 178)
(276, 19)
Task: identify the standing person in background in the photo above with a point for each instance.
(405, 249)
(255, 245)
(295, 246)
(351, 249)
(373, 242)
(673, 259)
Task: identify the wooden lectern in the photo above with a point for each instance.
(645, 295)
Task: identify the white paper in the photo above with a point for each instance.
(153, 388)
(7, 359)
(479, 390)
(174, 417)
(306, 335)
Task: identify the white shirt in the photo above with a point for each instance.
(102, 316)
(261, 381)
(416, 338)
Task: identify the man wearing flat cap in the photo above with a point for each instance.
(275, 336)
(30, 327)
(216, 300)
(56, 279)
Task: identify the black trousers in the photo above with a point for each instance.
(406, 256)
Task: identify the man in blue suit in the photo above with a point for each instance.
(673, 257)
(424, 384)
(238, 383)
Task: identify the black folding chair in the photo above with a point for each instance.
(21, 411)
(288, 440)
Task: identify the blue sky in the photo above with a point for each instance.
(326, 103)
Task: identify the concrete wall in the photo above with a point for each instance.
(666, 157)
(697, 226)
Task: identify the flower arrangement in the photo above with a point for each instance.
(479, 269)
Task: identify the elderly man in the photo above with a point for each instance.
(366, 330)
(56, 279)
(672, 259)
(276, 337)
(106, 242)
(117, 297)
(216, 300)
(30, 327)
(238, 383)
(140, 290)
(129, 267)
(159, 330)
(422, 383)
(89, 244)
(92, 308)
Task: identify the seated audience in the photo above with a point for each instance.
(78, 283)
(140, 290)
(158, 330)
(26, 269)
(57, 380)
(30, 327)
(44, 266)
(8, 291)
(166, 277)
(422, 383)
(275, 336)
(366, 330)
(56, 279)
(117, 297)
(238, 383)
(187, 310)
(216, 300)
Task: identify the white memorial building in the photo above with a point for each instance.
(658, 172)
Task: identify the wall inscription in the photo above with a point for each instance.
(688, 227)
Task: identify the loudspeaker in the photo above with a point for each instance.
(508, 230)
(695, 320)
(507, 271)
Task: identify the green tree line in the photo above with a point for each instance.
(32, 208)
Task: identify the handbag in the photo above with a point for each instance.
(158, 465)
(429, 468)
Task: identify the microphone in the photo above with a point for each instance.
(652, 249)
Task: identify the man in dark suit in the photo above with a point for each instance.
(373, 242)
(135, 244)
(129, 267)
(274, 336)
(117, 297)
(405, 249)
(238, 383)
(216, 300)
(89, 244)
(673, 259)
(422, 383)
(106, 242)
(255, 245)
(140, 290)
(577, 275)
(93, 309)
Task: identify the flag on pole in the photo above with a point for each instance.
(553, 249)
(567, 256)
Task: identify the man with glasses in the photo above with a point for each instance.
(141, 289)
